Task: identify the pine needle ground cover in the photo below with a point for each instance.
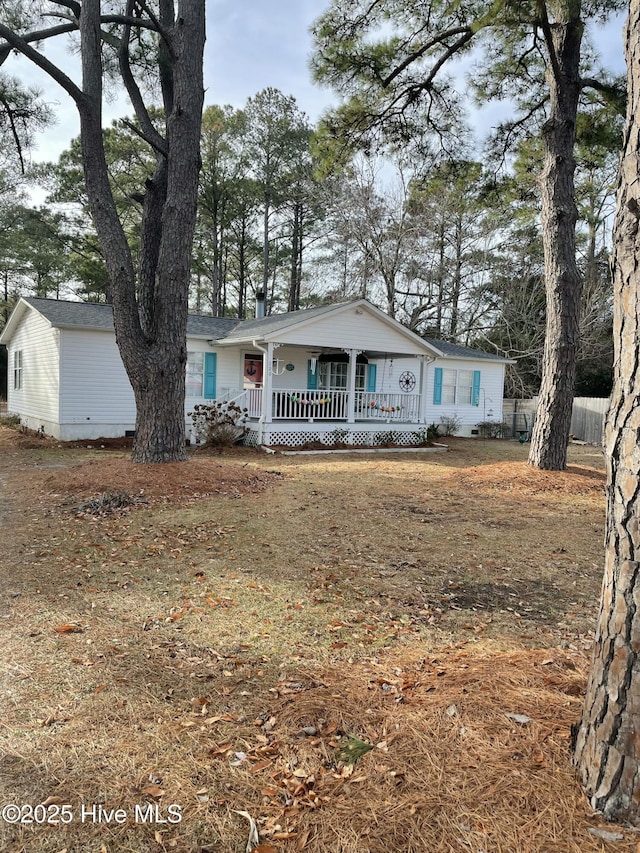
(355, 654)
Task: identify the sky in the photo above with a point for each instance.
(251, 44)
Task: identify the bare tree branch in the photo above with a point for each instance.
(149, 133)
(22, 46)
(467, 34)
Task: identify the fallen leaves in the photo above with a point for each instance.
(154, 791)
(254, 840)
(521, 719)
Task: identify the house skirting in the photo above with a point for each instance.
(292, 434)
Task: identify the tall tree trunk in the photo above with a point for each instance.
(242, 277)
(440, 279)
(559, 214)
(215, 240)
(456, 288)
(345, 267)
(5, 309)
(607, 742)
(151, 326)
(296, 239)
(265, 246)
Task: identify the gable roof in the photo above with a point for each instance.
(267, 326)
(450, 350)
(99, 316)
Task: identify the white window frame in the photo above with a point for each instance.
(457, 387)
(465, 390)
(334, 376)
(17, 370)
(449, 395)
(195, 375)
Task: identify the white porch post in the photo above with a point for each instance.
(351, 386)
(425, 361)
(267, 386)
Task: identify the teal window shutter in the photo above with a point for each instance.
(312, 377)
(371, 377)
(437, 386)
(475, 396)
(210, 359)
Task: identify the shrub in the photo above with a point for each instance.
(425, 435)
(492, 429)
(12, 421)
(450, 424)
(387, 437)
(433, 431)
(337, 436)
(220, 424)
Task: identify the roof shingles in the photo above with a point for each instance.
(95, 315)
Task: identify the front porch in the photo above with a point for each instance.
(294, 394)
(295, 417)
(310, 406)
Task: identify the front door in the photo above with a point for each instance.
(253, 370)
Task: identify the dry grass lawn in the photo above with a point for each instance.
(358, 654)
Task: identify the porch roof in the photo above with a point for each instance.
(296, 328)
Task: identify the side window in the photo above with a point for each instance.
(465, 386)
(448, 385)
(461, 387)
(195, 374)
(17, 370)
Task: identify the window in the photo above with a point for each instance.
(200, 379)
(465, 386)
(461, 387)
(17, 370)
(448, 386)
(195, 374)
(334, 375)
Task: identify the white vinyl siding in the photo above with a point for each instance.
(354, 328)
(95, 389)
(36, 397)
(489, 399)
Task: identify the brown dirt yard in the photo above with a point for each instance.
(350, 653)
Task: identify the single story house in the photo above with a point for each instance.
(345, 371)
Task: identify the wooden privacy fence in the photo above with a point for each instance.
(587, 417)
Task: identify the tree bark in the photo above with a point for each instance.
(559, 214)
(296, 258)
(607, 740)
(150, 308)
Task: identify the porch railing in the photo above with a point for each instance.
(387, 407)
(303, 405)
(248, 398)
